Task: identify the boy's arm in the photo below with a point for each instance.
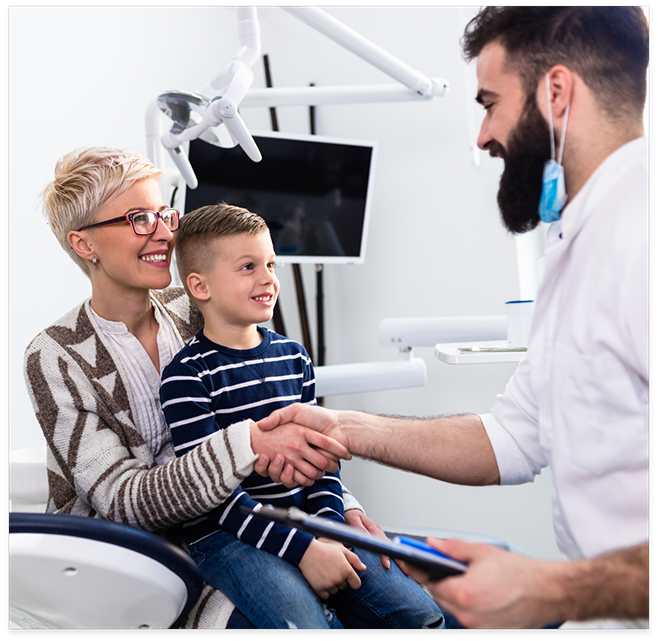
(187, 407)
(325, 498)
(287, 543)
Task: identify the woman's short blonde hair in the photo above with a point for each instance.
(85, 180)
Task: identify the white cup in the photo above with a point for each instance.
(519, 320)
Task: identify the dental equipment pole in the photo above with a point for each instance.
(277, 318)
(319, 279)
(297, 272)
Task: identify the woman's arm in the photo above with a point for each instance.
(99, 465)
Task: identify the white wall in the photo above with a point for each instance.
(82, 76)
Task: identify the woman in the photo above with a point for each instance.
(94, 375)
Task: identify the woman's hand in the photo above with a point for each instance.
(356, 518)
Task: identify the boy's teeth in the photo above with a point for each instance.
(154, 258)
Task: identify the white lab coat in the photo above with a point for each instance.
(579, 400)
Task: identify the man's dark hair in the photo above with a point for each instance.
(608, 47)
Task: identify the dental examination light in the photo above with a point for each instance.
(224, 94)
(213, 113)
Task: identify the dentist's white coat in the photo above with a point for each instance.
(579, 400)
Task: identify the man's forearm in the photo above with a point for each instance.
(614, 585)
(455, 449)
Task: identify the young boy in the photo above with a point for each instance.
(234, 369)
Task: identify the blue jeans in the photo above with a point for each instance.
(272, 593)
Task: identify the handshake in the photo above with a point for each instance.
(297, 444)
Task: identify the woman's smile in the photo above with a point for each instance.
(156, 258)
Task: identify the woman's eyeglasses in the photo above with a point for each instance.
(144, 223)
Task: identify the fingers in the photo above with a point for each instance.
(261, 465)
(329, 445)
(354, 561)
(419, 576)
(353, 581)
(460, 550)
(280, 472)
(278, 417)
(356, 518)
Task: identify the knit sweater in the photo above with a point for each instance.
(98, 463)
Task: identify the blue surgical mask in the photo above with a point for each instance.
(553, 193)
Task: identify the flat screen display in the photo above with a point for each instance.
(313, 192)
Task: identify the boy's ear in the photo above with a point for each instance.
(196, 284)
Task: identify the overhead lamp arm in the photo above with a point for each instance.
(230, 89)
(352, 41)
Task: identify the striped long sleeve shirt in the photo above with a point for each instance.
(208, 387)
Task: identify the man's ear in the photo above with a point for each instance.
(80, 244)
(560, 87)
(196, 284)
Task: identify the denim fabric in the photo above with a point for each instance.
(271, 593)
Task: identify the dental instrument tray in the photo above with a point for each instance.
(411, 551)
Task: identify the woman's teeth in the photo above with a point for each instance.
(263, 299)
(155, 258)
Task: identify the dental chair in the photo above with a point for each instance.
(79, 572)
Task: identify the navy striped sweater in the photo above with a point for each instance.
(208, 387)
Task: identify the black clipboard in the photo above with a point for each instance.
(437, 565)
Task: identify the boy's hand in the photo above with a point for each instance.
(328, 566)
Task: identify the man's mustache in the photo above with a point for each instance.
(496, 150)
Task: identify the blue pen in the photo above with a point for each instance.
(424, 547)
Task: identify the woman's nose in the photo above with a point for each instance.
(162, 232)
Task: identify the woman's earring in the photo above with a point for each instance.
(94, 260)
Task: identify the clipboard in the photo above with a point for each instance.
(416, 553)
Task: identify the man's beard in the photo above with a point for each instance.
(521, 183)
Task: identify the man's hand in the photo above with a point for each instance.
(505, 590)
(356, 518)
(499, 590)
(320, 419)
(306, 453)
(329, 566)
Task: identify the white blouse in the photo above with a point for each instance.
(144, 379)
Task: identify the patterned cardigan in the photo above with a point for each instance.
(98, 463)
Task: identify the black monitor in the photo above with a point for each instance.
(313, 192)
